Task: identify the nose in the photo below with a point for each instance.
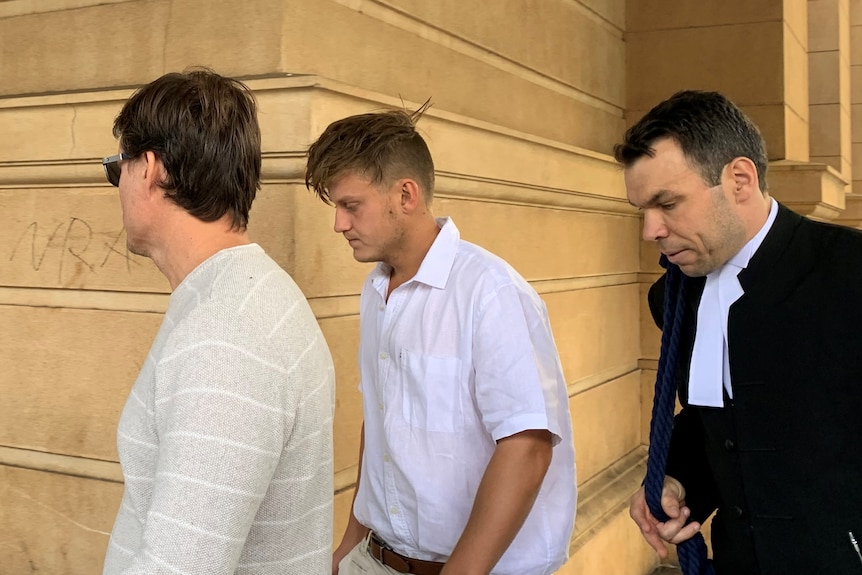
(342, 221)
(654, 226)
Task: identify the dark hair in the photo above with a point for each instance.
(709, 128)
(382, 146)
(204, 129)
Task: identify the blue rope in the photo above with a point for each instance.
(692, 552)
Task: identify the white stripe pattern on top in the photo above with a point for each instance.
(226, 438)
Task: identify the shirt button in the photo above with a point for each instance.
(729, 445)
(736, 511)
(393, 510)
(386, 457)
(384, 355)
(380, 406)
(382, 307)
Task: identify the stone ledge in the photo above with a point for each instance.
(852, 216)
(607, 494)
(474, 158)
(606, 540)
(810, 189)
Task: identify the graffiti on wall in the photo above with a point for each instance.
(71, 246)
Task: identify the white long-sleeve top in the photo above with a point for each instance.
(226, 438)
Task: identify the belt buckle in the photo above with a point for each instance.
(381, 546)
(395, 560)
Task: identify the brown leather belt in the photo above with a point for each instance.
(380, 551)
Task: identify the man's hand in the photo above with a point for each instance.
(674, 530)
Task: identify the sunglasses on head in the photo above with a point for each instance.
(112, 167)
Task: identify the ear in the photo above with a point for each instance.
(151, 171)
(745, 180)
(411, 196)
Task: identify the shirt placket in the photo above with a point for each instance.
(386, 356)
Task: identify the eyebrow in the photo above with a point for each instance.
(345, 200)
(659, 197)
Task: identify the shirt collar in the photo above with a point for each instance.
(741, 259)
(437, 264)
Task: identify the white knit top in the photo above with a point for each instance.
(226, 437)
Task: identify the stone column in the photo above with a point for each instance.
(853, 214)
(756, 53)
(829, 91)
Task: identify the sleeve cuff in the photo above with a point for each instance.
(523, 422)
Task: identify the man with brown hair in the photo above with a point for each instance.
(226, 437)
(466, 459)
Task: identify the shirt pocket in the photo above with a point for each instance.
(432, 392)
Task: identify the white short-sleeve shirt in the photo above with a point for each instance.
(460, 356)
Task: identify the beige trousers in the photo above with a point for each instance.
(359, 562)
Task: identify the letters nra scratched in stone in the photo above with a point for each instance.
(74, 238)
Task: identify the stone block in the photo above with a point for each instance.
(814, 190)
(236, 39)
(835, 162)
(342, 336)
(450, 76)
(856, 123)
(795, 16)
(650, 334)
(796, 136)
(796, 66)
(606, 424)
(823, 25)
(648, 377)
(855, 45)
(675, 14)
(52, 523)
(852, 215)
(68, 375)
(595, 330)
(856, 81)
(614, 11)
(826, 129)
(824, 78)
(770, 120)
(67, 50)
(553, 38)
(856, 152)
(74, 238)
(618, 548)
(737, 59)
(60, 129)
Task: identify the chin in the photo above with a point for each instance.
(137, 250)
(694, 270)
(364, 258)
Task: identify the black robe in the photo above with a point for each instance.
(782, 461)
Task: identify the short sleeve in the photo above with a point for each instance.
(516, 363)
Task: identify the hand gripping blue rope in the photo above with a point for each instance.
(692, 552)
